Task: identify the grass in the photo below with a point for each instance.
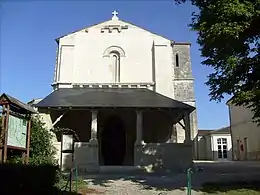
(79, 186)
(232, 188)
(64, 185)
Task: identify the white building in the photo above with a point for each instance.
(245, 133)
(128, 93)
(215, 144)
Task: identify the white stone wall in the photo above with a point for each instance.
(144, 58)
(164, 156)
(242, 127)
(201, 148)
(82, 57)
(82, 157)
(214, 146)
(208, 147)
(205, 148)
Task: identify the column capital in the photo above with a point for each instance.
(94, 111)
(139, 111)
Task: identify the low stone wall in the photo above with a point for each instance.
(82, 157)
(169, 157)
(153, 157)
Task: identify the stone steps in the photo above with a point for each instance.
(120, 169)
(112, 170)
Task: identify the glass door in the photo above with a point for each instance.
(222, 148)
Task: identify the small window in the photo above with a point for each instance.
(224, 141)
(177, 60)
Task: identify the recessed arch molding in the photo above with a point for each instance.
(112, 49)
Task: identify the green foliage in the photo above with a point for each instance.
(41, 149)
(78, 185)
(229, 36)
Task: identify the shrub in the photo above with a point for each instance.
(41, 149)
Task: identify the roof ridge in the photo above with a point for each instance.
(90, 26)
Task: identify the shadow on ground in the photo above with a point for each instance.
(162, 182)
(29, 180)
(246, 186)
(214, 179)
(168, 183)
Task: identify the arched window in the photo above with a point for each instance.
(115, 61)
(177, 60)
(114, 53)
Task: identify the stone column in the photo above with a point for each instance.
(139, 139)
(93, 166)
(186, 120)
(173, 138)
(94, 126)
(139, 127)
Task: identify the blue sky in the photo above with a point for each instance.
(28, 47)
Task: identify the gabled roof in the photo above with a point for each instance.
(224, 130)
(204, 132)
(57, 39)
(17, 103)
(34, 101)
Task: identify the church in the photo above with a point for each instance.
(128, 94)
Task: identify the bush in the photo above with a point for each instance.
(41, 149)
(42, 169)
(29, 180)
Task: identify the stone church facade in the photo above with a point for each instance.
(128, 94)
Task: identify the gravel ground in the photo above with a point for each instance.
(125, 184)
(134, 185)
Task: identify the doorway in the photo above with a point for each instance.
(113, 141)
(222, 148)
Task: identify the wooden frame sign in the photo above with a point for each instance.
(67, 142)
(17, 132)
(16, 127)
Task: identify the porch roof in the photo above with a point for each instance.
(17, 105)
(109, 98)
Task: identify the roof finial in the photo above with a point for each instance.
(114, 13)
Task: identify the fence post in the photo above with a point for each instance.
(189, 171)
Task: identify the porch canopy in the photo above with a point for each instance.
(73, 98)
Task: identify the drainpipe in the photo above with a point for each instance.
(212, 146)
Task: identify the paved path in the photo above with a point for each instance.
(125, 184)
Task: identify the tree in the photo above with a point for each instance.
(229, 36)
(42, 150)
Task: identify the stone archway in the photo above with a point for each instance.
(113, 141)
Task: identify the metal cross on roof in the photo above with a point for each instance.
(114, 13)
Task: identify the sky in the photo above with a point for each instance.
(28, 47)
